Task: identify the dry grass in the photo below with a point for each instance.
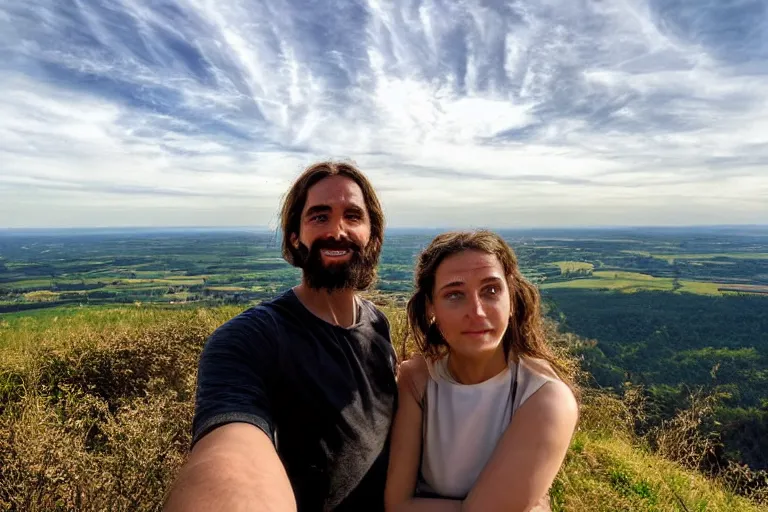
(95, 416)
(608, 474)
(95, 413)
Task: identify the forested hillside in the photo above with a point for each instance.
(672, 344)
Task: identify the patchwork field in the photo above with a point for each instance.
(206, 268)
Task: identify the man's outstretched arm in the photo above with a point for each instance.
(233, 468)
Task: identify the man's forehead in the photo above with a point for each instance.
(335, 190)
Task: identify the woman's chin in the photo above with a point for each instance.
(479, 348)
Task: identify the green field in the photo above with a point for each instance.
(630, 282)
(627, 282)
(567, 267)
(701, 288)
(671, 258)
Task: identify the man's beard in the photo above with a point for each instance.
(357, 273)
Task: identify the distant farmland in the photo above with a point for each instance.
(629, 282)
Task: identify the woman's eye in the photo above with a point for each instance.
(453, 295)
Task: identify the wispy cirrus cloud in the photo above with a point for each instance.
(550, 112)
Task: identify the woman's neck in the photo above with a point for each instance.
(476, 370)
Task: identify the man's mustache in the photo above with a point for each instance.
(335, 245)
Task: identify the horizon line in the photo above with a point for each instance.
(263, 228)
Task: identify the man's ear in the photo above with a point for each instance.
(295, 240)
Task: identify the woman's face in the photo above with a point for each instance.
(470, 303)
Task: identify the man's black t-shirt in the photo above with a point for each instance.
(324, 394)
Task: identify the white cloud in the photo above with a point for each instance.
(532, 113)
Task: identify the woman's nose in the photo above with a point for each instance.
(477, 308)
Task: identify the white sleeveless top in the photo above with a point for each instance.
(463, 423)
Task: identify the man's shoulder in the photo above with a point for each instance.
(261, 319)
(376, 315)
(372, 307)
(274, 307)
(255, 317)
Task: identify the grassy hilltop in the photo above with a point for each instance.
(96, 407)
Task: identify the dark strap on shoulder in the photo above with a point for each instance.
(514, 385)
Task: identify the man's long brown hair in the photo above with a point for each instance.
(295, 200)
(525, 334)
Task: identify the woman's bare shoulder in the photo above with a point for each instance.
(540, 367)
(556, 400)
(413, 376)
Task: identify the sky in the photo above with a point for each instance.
(462, 113)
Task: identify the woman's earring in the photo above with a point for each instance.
(434, 335)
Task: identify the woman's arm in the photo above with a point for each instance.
(529, 454)
(405, 448)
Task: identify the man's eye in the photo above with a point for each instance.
(318, 218)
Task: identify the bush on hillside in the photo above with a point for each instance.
(104, 424)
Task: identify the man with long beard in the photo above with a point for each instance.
(295, 396)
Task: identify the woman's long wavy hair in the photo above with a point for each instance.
(525, 334)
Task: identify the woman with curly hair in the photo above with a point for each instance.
(486, 411)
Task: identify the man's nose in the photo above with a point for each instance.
(335, 229)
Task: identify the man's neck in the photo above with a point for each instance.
(337, 307)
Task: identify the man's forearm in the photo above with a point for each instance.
(428, 505)
(213, 488)
(233, 468)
